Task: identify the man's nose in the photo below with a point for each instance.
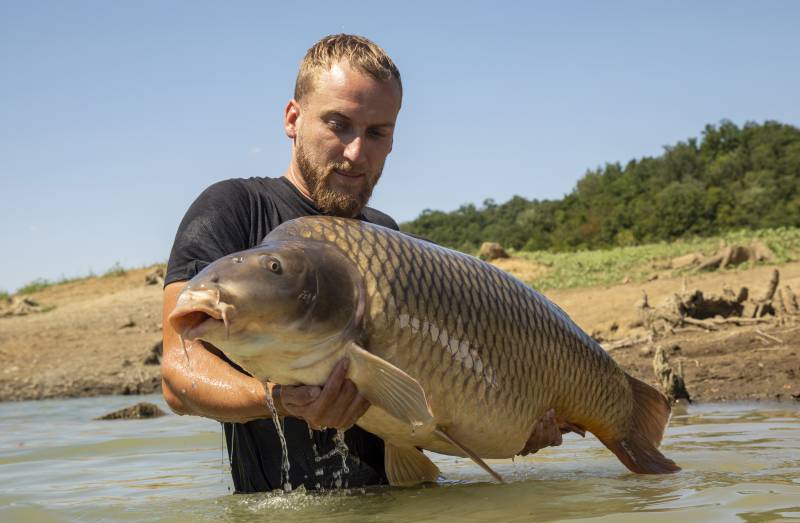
(354, 150)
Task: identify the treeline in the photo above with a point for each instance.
(731, 178)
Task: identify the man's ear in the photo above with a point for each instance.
(291, 117)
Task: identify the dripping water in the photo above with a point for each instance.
(287, 486)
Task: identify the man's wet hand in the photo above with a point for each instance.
(337, 404)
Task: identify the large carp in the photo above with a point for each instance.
(455, 355)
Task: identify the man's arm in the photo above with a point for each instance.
(196, 380)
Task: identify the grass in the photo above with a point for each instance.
(40, 284)
(638, 263)
(116, 270)
(4, 295)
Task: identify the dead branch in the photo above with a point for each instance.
(773, 284)
(626, 342)
(791, 300)
(768, 336)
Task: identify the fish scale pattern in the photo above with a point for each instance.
(457, 323)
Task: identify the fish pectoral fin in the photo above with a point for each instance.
(474, 457)
(389, 388)
(408, 466)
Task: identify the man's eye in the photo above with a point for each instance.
(376, 133)
(336, 125)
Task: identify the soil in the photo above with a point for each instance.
(97, 334)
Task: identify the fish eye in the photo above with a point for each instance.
(272, 264)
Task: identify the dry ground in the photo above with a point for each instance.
(101, 330)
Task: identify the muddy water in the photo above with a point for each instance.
(741, 463)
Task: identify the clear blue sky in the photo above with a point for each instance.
(115, 115)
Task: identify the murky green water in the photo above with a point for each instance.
(741, 463)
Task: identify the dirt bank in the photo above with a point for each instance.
(100, 331)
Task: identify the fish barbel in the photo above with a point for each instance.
(454, 355)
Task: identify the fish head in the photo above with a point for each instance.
(282, 299)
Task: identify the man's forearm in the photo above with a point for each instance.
(201, 383)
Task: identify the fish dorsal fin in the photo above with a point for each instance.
(407, 466)
(389, 388)
(477, 459)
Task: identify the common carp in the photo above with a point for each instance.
(454, 355)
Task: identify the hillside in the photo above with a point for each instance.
(727, 179)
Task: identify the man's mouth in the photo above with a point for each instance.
(349, 174)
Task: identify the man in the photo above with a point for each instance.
(341, 124)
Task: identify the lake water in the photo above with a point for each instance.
(740, 463)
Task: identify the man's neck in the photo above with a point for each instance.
(295, 179)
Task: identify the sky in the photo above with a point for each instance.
(114, 116)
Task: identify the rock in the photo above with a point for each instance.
(139, 411)
(155, 277)
(155, 354)
(491, 251)
(21, 306)
(128, 324)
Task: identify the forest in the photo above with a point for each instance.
(730, 178)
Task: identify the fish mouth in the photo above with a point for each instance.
(195, 316)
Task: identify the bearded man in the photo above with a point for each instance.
(341, 124)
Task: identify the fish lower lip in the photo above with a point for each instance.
(198, 330)
(191, 320)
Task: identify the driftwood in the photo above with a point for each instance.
(670, 380)
(626, 342)
(712, 312)
(735, 255)
(792, 306)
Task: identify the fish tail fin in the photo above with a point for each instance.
(638, 449)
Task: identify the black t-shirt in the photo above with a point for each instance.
(231, 216)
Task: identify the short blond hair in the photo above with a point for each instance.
(358, 52)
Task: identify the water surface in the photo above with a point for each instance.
(741, 462)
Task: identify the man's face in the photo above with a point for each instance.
(343, 133)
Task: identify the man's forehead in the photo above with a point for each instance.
(346, 88)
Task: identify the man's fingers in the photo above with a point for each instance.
(299, 396)
(355, 410)
(332, 387)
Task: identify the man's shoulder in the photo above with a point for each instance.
(379, 218)
(242, 186)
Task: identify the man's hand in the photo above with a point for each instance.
(337, 404)
(547, 432)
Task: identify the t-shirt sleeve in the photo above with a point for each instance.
(216, 224)
(377, 217)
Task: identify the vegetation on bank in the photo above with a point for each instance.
(731, 178)
(40, 284)
(640, 263)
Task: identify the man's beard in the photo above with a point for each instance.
(327, 198)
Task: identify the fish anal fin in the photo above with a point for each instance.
(408, 466)
(474, 457)
(638, 449)
(389, 388)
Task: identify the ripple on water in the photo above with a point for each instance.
(741, 462)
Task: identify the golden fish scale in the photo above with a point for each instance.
(480, 342)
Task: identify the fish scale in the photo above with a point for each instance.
(461, 358)
(492, 311)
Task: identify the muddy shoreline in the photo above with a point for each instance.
(98, 337)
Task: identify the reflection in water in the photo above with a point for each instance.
(741, 462)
